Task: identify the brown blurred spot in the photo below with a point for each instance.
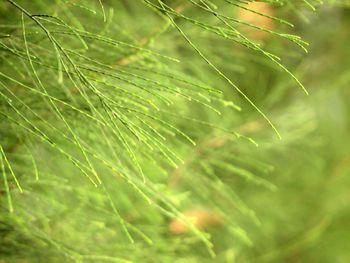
(217, 142)
(125, 61)
(201, 218)
(74, 90)
(59, 104)
(144, 40)
(179, 8)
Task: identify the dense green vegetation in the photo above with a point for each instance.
(174, 131)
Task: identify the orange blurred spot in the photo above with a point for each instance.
(257, 20)
(144, 41)
(201, 218)
(179, 8)
(123, 61)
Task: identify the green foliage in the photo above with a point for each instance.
(145, 131)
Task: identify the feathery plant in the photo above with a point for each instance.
(118, 116)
